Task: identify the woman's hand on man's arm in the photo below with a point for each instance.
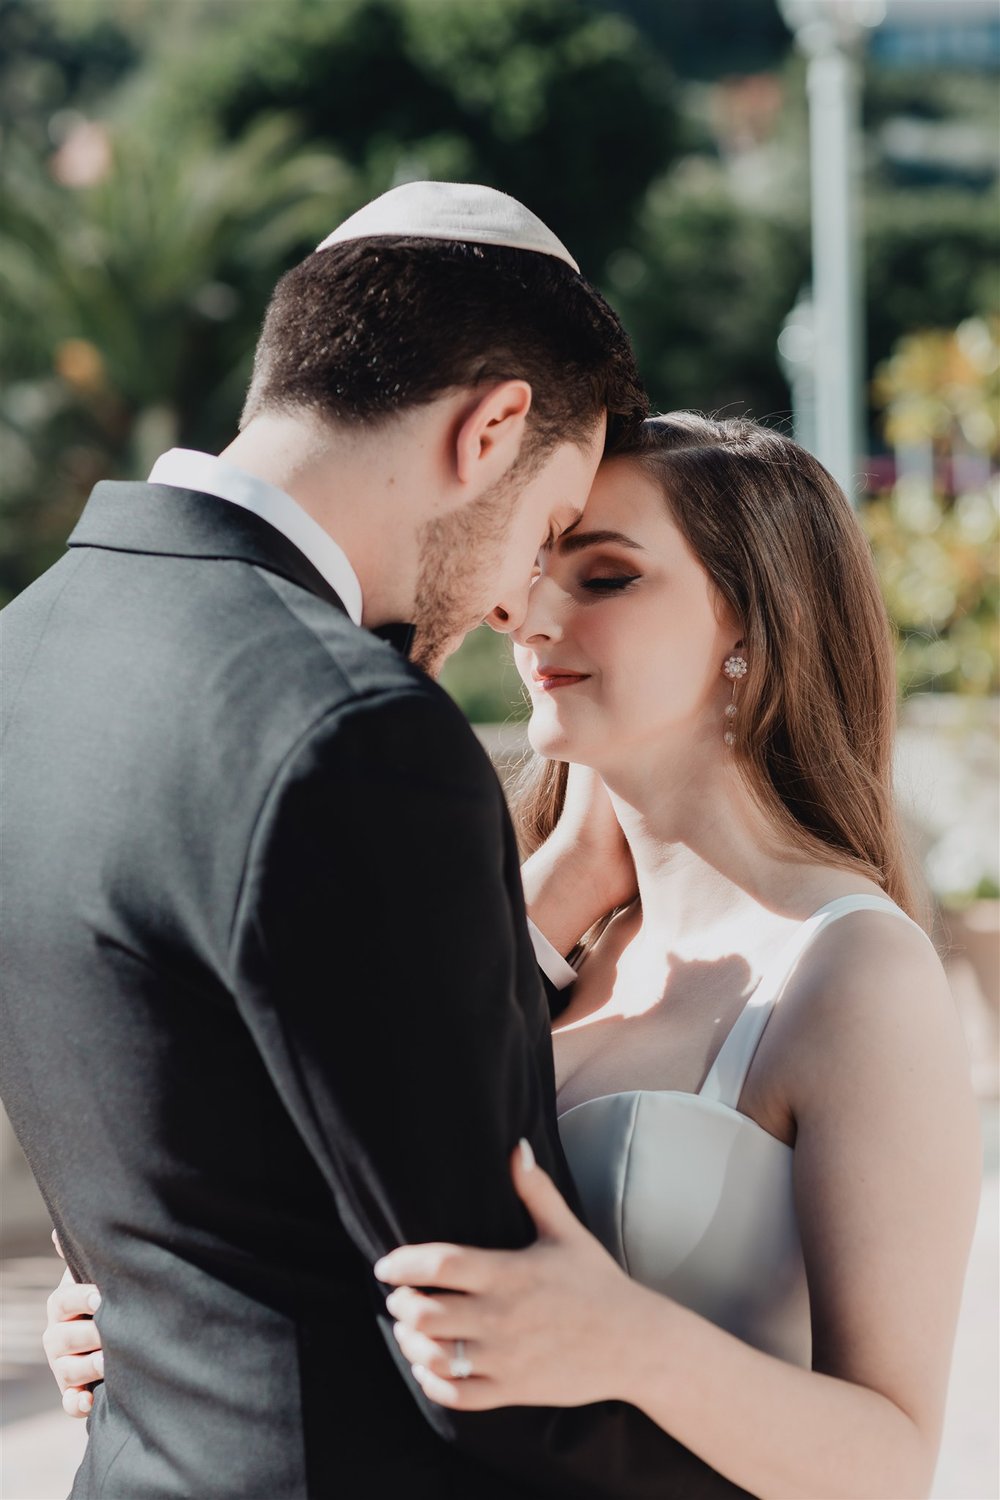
(583, 870)
(72, 1342)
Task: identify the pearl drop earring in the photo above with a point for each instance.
(734, 667)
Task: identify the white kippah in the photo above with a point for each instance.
(452, 211)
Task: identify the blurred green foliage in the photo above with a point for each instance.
(931, 261)
(704, 288)
(560, 105)
(939, 562)
(129, 308)
(734, 37)
(482, 677)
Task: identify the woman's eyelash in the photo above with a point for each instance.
(600, 585)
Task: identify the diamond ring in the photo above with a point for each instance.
(460, 1367)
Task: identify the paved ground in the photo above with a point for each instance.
(40, 1447)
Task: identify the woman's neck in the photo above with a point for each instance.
(703, 850)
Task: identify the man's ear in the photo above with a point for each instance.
(490, 431)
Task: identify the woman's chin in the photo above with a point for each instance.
(550, 740)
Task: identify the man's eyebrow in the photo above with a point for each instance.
(575, 541)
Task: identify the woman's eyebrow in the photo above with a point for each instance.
(575, 541)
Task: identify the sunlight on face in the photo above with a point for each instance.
(623, 641)
(552, 500)
(476, 563)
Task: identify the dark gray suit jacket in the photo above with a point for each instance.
(269, 1008)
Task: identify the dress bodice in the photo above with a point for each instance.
(696, 1200)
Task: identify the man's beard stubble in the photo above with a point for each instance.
(460, 561)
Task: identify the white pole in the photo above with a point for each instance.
(797, 355)
(837, 280)
(830, 33)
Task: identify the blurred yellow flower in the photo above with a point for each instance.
(79, 363)
(940, 571)
(938, 382)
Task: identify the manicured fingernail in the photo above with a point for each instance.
(419, 1371)
(527, 1155)
(380, 1266)
(99, 1362)
(94, 1301)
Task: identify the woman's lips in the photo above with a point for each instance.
(548, 679)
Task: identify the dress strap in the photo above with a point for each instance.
(727, 1074)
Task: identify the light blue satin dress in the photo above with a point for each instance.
(696, 1200)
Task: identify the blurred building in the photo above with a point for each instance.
(938, 34)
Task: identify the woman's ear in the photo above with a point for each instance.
(490, 432)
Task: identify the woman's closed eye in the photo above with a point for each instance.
(609, 583)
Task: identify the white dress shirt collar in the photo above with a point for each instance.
(187, 469)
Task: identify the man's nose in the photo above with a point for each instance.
(508, 616)
(540, 620)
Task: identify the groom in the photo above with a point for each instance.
(269, 1003)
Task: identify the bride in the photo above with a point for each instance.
(763, 1089)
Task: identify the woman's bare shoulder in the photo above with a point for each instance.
(867, 996)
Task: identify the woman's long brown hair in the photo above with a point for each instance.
(817, 709)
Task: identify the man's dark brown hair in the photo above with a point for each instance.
(371, 327)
